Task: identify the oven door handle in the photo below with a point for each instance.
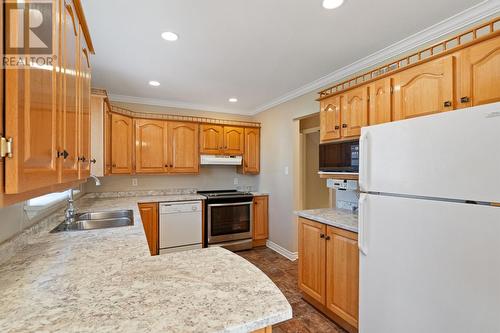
(231, 204)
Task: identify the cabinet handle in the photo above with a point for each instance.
(344, 125)
(465, 99)
(166, 165)
(171, 166)
(114, 165)
(327, 238)
(82, 159)
(447, 104)
(337, 127)
(321, 235)
(64, 154)
(93, 161)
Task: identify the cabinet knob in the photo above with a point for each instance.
(337, 127)
(64, 154)
(93, 161)
(114, 165)
(447, 104)
(344, 125)
(166, 165)
(327, 238)
(82, 159)
(321, 235)
(171, 165)
(465, 99)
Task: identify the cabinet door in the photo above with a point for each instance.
(251, 157)
(98, 133)
(149, 219)
(342, 274)
(121, 144)
(107, 142)
(70, 69)
(85, 89)
(354, 112)
(150, 146)
(260, 218)
(424, 89)
(211, 139)
(31, 121)
(183, 154)
(234, 140)
(380, 106)
(312, 259)
(480, 74)
(330, 119)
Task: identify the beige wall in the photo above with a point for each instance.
(279, 135)
(316, 194)
(210, 178)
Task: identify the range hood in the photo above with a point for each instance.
(220, 160)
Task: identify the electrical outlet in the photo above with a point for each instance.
(134, 181)
(286, 170)
(235, 181)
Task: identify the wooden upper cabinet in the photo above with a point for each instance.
(380, 104)
(424, 89)
(31, 121)
(211, 139)
(183, 152)
(150, 146)
(330, 118)
(85, 90)
(354, 112)
(233, 140)
(312, 259)
(251, 156)
(260, 218)
(480, 72)
(342, 274)
(121, 144)
(70, 55)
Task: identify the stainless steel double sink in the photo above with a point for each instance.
(98, 220)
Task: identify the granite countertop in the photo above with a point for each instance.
(106, 281)
(340, 218)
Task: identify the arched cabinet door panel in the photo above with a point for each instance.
(150, 146)
(233, 140)
(330, 118)
(183, 152)
(211, 139)
(121, 144)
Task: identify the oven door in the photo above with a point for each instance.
(229, 221)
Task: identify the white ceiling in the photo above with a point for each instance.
(257, 51)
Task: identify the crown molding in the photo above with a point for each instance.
(175, 104)
(456, 22)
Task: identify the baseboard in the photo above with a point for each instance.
(281, 250)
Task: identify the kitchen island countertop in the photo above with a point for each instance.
(106, 281)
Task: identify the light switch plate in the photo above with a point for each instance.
(134, 181)
(235, 181)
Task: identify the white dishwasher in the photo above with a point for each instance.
(180, 226)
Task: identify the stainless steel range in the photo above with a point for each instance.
(229, 219)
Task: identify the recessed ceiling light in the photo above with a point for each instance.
(169, 36)
(332, 4)
(154, 83)
(233, 100)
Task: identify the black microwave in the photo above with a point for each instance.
(339, 156)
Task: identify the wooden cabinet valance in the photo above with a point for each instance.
(452, 80)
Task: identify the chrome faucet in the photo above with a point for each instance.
(70, 212)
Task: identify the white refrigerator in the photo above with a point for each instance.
(429, 232)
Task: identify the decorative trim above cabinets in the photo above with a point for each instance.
(171, 117)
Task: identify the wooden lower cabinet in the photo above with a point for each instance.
(329, 271)
(150, 223)
(260, 220)
(267, 329)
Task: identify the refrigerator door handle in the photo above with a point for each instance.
(363, 168)
(362, 230)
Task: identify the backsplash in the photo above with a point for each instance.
(347, 199)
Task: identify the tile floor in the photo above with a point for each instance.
(283, 272)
